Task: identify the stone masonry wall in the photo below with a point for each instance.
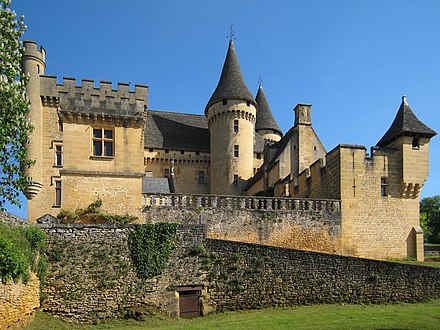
(91, 276)
(307, 227)
(18, 302)
(247, 276)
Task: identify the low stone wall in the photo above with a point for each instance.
(284, 222)
(18, 302)
(252, 276)
(91, 275)
(432, 251)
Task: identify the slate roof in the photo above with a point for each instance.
(265, 119)
(182, 131)
(405, 123)
(155, 185)
(176, 131)
(231, 84)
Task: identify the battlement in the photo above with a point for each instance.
(86, 98)
(30, 48)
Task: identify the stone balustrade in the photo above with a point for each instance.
(186, 201)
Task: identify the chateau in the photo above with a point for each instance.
(96, 142)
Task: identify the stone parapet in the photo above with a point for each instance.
(187, 201)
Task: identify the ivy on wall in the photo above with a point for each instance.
(152, 246)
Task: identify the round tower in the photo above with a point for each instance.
(33, 65)
(231, 113)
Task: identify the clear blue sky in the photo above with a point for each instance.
(352, 60)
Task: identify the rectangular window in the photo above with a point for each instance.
(202, 177)
(225, 102)
(235, 183)
(383, 187)
(166, 173)
(235, 126)
(258, 155)
(58, 155)
(60, 125)
(236, 151)
(57, 193)
(103, 142)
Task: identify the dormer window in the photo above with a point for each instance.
(416, 143)
(225, 102)
(248, 103)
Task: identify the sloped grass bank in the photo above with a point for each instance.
(399, 316)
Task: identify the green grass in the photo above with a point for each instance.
(426, 263)
(396, 316)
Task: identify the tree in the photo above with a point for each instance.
(430, 218)
(14, 108)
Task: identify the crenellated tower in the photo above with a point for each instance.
(231, 113)
(33, 65)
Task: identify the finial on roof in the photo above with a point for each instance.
(260, 81)
(404, 99)
(231, 36)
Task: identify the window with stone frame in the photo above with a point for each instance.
(58, 155)
(236, 151)
(57, 193)
(384, 186)
(202, 179)
(235, 125)
(416, 143)
(166, 172)
(103, 142)
(235, 182)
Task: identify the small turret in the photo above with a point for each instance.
(33, 65)
(266, 124)
(410, 137)
(231, 113)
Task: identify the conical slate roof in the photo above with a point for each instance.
(405, 123)
(231, 84)
(265, 119)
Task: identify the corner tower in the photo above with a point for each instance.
(33, 64)
(410, 138)
(266, 124)
(231, 113)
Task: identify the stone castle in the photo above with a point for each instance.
(97, 142)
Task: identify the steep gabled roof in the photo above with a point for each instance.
(176, 131)
(265, 119)
(405, 123)
(231, 84)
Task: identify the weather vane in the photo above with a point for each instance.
(231, 33)
(260, 81)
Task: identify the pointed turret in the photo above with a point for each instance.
(231, 84)
(265, 124)
(231, 113)
(405, 124)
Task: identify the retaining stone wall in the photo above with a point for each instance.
(91, 276)
(432, 251)
(316, 230)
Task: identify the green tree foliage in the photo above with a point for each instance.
(21, 250)
(430, 218)
(14, 107)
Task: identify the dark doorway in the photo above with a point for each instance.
(189, 301)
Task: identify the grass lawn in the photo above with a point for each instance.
(398, 316)
(426, 263)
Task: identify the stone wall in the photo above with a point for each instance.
(432, 251)
(302, 224)
(91, 276)
(18, 302)
(251, 276)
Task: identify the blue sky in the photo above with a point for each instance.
(352, 60)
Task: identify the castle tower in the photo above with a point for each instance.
(33, 65)
(410, 137)
(231, 113)
(266, 124)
